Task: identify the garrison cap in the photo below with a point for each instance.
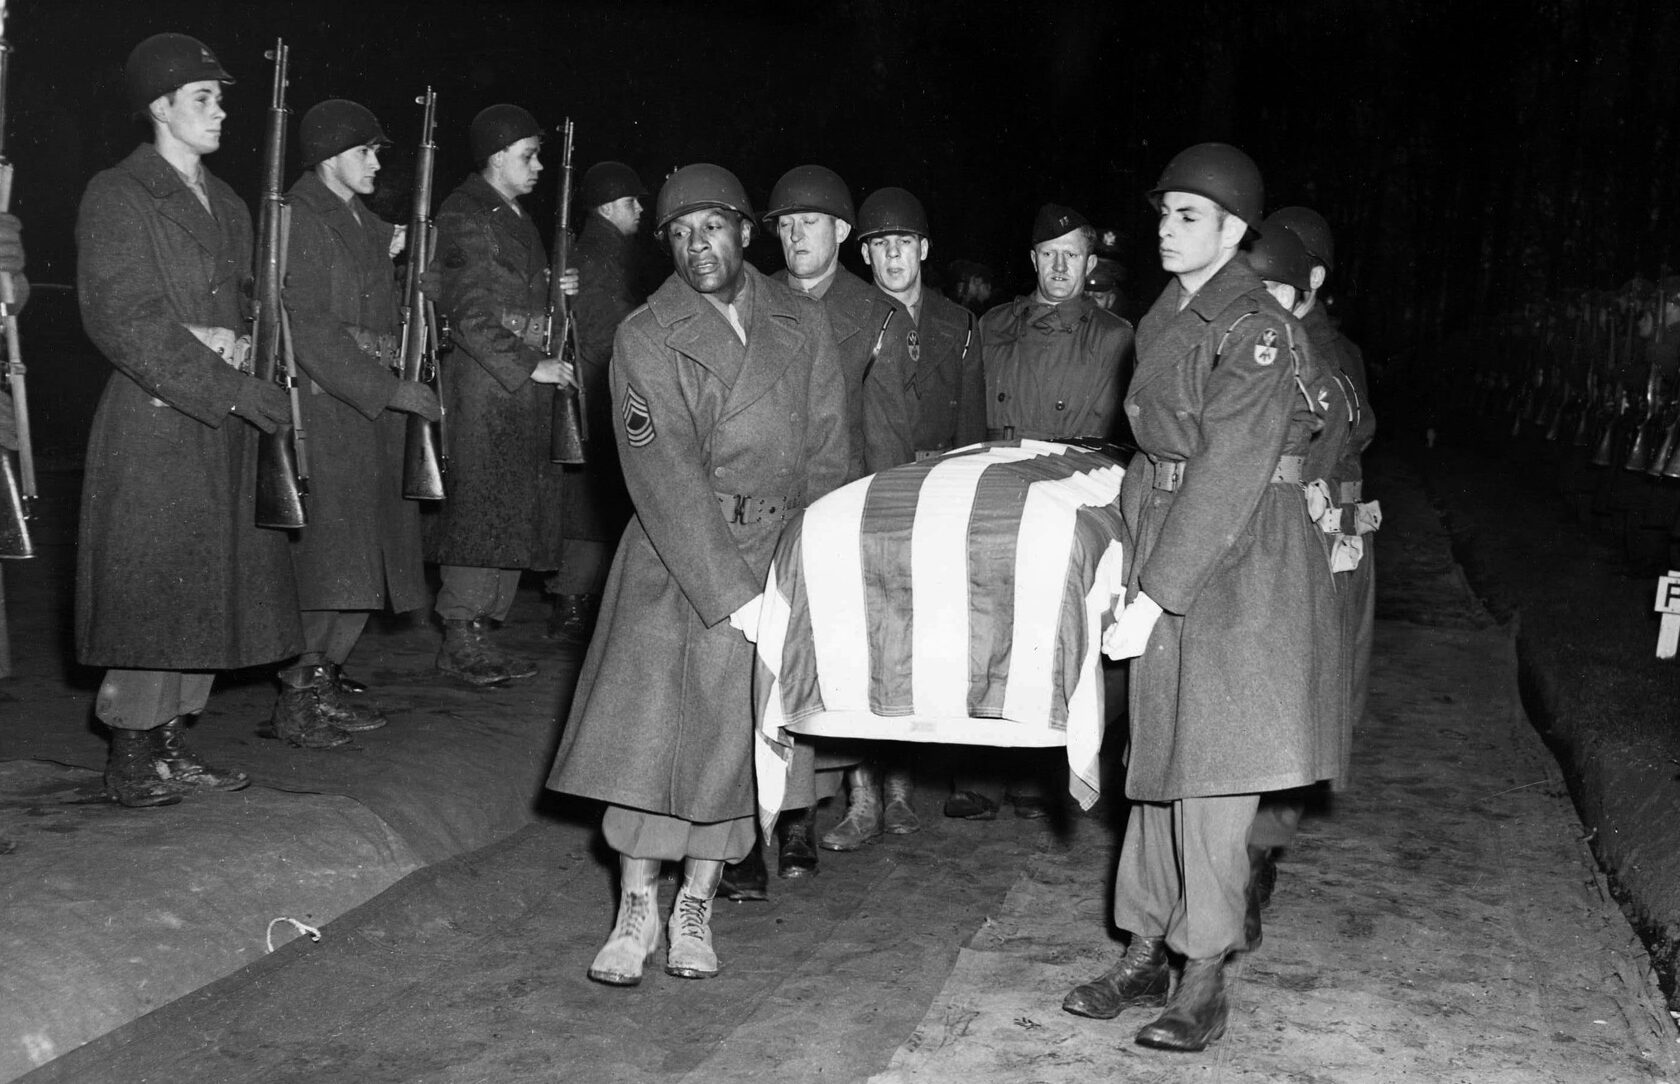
(1054, 220)
(333, 127)
(499, 126)
(166, 62)
(608, 181)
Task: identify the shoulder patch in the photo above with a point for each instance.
(1265, 347)
(638, 419)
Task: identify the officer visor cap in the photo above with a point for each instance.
(333, 127)
(605, 182)
(1054, 220)
(166, 62)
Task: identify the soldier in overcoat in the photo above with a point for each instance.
(174, 580)
(730, 414)
(360, 551)
(812, 213)
(1228, 582)
(1056, 363)
(1293, 276)
(503, 509)
(596, 505)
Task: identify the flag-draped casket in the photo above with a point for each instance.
(960, 599)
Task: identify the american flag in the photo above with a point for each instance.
(960, 599)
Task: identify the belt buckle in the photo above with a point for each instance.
(740, 515)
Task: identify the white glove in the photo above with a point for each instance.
(1129, 635)
(746, 618)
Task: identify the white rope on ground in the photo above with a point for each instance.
(302, 927)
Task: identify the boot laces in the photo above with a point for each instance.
(691, 917)
(634, 914)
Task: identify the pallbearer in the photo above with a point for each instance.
(502, 512)
(361, 548)
(729, 409)
(174, 580)
(1228, 581)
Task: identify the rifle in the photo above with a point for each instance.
(17, 489)
(569, 428)
(423, 462)
(282, 469)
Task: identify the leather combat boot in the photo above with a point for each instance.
(690, 931)
(572, 619)
(134, 776)
(462, 656)
(862, 822)
(169, 746)
(1197, 1013)
(795, 854)
(1140, 978)
(515, 666)
(340, 710)
(299, 718)
(635, 936)
(748, 879)
(898, 816)
(346, 684)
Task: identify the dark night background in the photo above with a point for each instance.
(1470, 159)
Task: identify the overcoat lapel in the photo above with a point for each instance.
(176, 201)
(772, 340)
(677, 307)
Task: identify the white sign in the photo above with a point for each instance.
(1668, 604)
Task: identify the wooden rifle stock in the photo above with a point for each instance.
(423, 461)
(17, 487)
(281, 483)
(569, 428)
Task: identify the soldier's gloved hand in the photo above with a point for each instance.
(555, 371)
(11, 244)
(412, 397)
(399, 241)
(746, 618)
(569, 282)
(1129, 635)
(431, 282)
(263, 404)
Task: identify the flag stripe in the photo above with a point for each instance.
(884, 559)
(834, 588)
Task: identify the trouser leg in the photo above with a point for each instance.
(1183, 872)
(583, 567)
(145, 699)
(469, 593)
(1277, 818)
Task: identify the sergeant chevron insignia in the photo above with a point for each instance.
(1265, 350)
(638, 420)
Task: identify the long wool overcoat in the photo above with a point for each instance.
(172, 572)
(1226, 698)
(662, 718)
(876, 371)
(596, 503)
(361, 547)
(502, 508)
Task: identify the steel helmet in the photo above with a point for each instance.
(891, 210)
(1312, 229)
(811, 188)
(700, 185)
(1220, 172)
(334, 126)
(1279, 255)
(164, 62)
(499, 126)
(608, 181)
